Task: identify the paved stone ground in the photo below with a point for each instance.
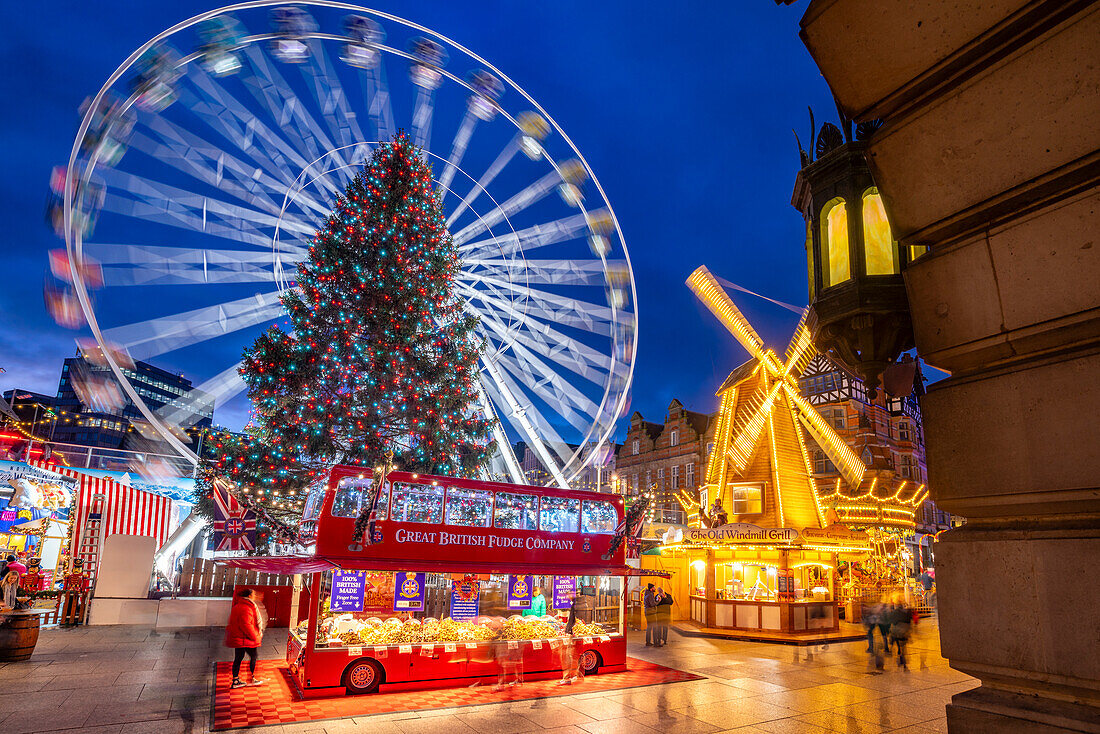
(126, 680)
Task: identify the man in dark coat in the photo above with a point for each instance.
(649, 602)
(664, 616)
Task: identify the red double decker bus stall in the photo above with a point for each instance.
(448, 582)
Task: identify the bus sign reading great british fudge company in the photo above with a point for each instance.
(740, 532)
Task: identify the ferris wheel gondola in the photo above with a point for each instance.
(213, 153)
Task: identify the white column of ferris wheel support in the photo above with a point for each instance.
(519, 413)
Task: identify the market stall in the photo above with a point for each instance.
(778, 581)
(441, 591)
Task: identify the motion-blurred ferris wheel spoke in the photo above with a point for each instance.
(144, 339)
(506, 154)
(516, 204)
(543, 272)
(138, 265)
(332, 99)
(525, 240)
(165, 204)
(581, 361)
(268, 87)
(270, 151)
(458, 149)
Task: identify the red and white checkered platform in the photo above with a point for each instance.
(278, 702)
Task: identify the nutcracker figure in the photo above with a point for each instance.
(75, 589)
(32, 580)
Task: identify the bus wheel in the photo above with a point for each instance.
(363, 677)
(589, 662)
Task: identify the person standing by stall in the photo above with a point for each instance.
(649, 604)
(15, 565)
(664, 616)
(570, 663)
(244, 633)
(538, 604)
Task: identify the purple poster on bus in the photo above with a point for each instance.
(408, 592)
(519, 592)
(565, 588)
(347, 591)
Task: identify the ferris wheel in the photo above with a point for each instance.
(207, 161)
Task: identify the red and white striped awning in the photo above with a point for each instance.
(126, 510)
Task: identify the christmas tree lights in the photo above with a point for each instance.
(379, 355)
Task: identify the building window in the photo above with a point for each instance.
(903, 431)
(878, 244)
(648, 480)
(674, 438)
(675, 477)
(710, 447)
(822, 465)
(747, 499)
(635, 483)
(689, 476)
(839, 418)
(661, 478)
(834, 242)
(907, 466)
(634, 446)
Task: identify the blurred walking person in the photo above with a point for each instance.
(244, 633)
(570, 662)
(870, 623)
(901, 626)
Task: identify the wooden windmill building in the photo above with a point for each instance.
(769, 567)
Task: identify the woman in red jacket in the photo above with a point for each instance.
(244, 633)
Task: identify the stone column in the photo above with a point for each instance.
(989, 154)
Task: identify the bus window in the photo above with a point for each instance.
(516, 511)
(315, 499)
(559, 515)
(598, 517)
(416, 503)
(353, 492)
(470, 507)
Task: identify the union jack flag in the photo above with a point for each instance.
(234, 525)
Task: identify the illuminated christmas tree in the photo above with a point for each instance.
(380, 353)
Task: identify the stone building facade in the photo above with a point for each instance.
(665, 458)
(990, 156)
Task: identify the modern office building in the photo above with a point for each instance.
(93, 409)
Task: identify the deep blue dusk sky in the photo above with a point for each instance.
(684, 111)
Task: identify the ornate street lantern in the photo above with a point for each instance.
(859, 314)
